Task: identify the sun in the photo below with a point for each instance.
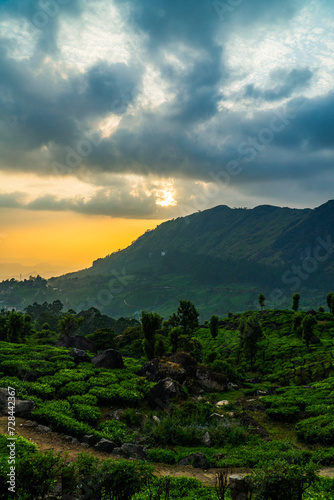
(165, 197)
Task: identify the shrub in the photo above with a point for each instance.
(87, 413)
(316, 429)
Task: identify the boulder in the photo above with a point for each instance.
(188, 363)
(163, 392)
(76, 341)
(79, 355)
(209, 380)
(23, 407)
(105, 445)
(197, 460)
(110, 359)
(156, 370)
(43, 429)
(129, 450)
(89, 439)
(238, 487)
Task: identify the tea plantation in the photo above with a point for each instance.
(256, 391)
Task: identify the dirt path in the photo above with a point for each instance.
(54, 442)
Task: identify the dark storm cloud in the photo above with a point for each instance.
(191, 135)
(284, 84)
(104, 202)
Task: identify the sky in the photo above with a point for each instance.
(116, 115)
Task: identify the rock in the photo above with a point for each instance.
(188, 363)
(163, 392)
(217, 416)
(117, 414)
(156, 370)
(89, 439)
(84, 445)
(43, 429)
(129, 450)
(30, 423)
(232, 387)
(197, 460)
(109, 359)
(76, 341)
(206, 439)
(67, 438)
(209, 380)
(75, 441)
(23, 407)
(105, 445)
(156, 419)
(224, 402)
(238, 487)
(79, 355)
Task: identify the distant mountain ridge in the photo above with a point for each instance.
(219, 247)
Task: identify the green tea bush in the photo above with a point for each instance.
(114, 430)
(86, 413)
(85, 399)
(73, 388)
(316, 430)
(284, 413)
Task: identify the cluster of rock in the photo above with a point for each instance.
(109, 358)
(177, 376)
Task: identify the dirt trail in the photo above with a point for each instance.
(54, 442)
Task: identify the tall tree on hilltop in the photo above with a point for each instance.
(214, 326)
(295, 301)
(151, 322)
(261, 300)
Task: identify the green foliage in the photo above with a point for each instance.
(261, 300)
(86, 413)
(281, 480)
(151, 322)
(214, 326)
(295, 301)
(104, 338)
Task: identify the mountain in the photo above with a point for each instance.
(220, 259)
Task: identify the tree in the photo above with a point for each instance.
(261, 300)
(160, 348)
(307, 328)
(17, 326)
(214, 326)
(330, 302)
(104, 338)
(187, 316)
(295, 301)
(174, 336)
(151, 322)
(69, 322)
(251, 335)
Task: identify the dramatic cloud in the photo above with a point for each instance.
(208, 96)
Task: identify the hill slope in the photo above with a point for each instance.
(219, 258)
